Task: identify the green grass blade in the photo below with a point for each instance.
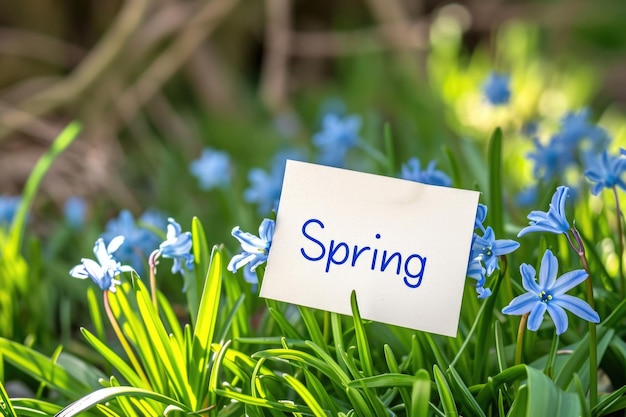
(445, 395)
(463, 394)
(495, 183)
(315, 332)
(5, 403)
(203, 334)
(420, 394)
(109, 393)
(361, 338)
(306, 395)
(202, 261)
(44, 163)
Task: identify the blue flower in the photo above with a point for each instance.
(412, 171)
(177, 247)
(606, 172)
(622, 151)
(527, 197)
(265, 187)
(8, 207)
(496, 88)
(552, 221)
(481, 215)
(212, 169)
(337, 137)
(254, 249)
(475, 270)
(153, 220)
(549, 295)
(104, 271)
(576, 126)
(138, 242)
(552, 159)
(487, 249)
(75, 209)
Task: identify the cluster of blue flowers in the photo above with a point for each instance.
(212, 169)
(109, 256)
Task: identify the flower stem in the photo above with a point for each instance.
(520, 339)
(153, 261)
(593, 353)
(620, 244)
(122, 339)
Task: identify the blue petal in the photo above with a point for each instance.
(577, 306)
(568, 281)
(536, 315)
(528, 278)
(504, 246)
(558, 315)
(522, 304)
(114, 244)
(266, 230)
(548, 270)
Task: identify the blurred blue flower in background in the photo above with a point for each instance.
(412, 171)
(265, 187)
(527, 197)
(552, 221)
(8, 207)
(104, 271)
(177, 246)
(75, 211)
(254, 249)
(153, 220)
(551, 160)
(496, 88)
(337, 137)
(549, 295)
(605, 171)
(575, 127)
(212, 169)
(138, 242)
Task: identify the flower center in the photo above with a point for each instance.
(545, 297)
(487, 250)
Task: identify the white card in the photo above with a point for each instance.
(402, 246)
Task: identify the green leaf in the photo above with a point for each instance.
(420, 396)
(204, 329)
(5, 403)
(315, 332)
(44, 163)
(463, 394)
(201, 261)
(384, 381)
(454, 167)
(43, 369)
(305, 394)
(361, 338)
(495, 183)
(445, 395)
(109, 393)
(540, 396)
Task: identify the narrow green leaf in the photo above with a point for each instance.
(278, 405)
(500, 355)
(383, 381)
(609, 402)
(393, 366)
(287, 329)
(361, 338)
(109, 393)
(201, 261)
(42, 166)
(204, 328)
(420, 396)
(495, 183)
(96, 313)
(445, 395)
(315, 332)
(305, 394)
(454, 167)
(389, 150)
(5, 403)
(463, 394)
(43, 369)
(320, 391)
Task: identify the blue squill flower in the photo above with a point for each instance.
(153, 220)
(265, 187)
(527, 197)
(75, 210)
(487, 249)
(481, 215)
(212, 169)
(575, 127)
(622, 151)
(475, 270)
(104, 271)
(138, 242)
(8, 207)
(606, 171)
(551, 160)
(177, 247)
(254, 249)
(552, 221)
(337, 137)
(496, 88)
(412, 171)
(549, 295)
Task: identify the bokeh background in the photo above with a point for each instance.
(155, 82)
